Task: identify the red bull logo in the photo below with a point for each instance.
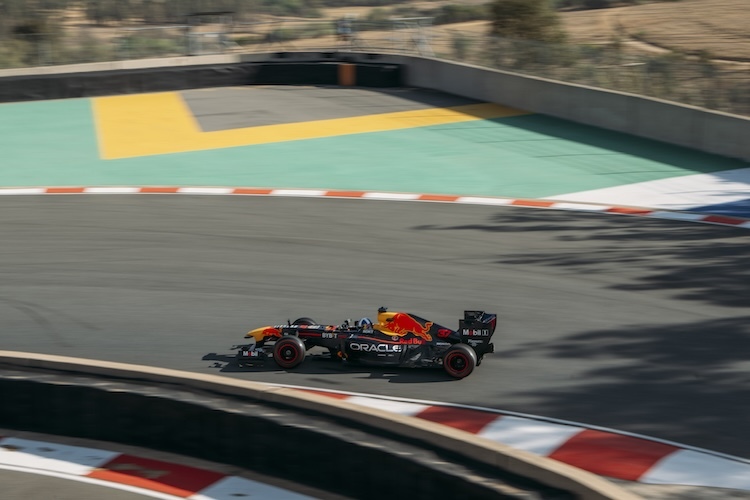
(260, 334)
(412, 341)
(271, 332)
(402, 324)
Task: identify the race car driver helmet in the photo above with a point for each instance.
(365, 323)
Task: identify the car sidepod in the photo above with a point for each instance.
(373, 350)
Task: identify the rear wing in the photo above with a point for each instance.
(478, 319)
(476, 329)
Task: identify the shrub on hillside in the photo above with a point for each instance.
(453, 13)
(526, 20)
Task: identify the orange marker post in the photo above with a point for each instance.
(347, 74)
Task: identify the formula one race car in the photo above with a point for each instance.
(396, 339)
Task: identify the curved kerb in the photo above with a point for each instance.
(654, 213)
(429, 435)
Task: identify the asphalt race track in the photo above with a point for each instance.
(634, 324)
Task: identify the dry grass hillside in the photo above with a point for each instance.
(721, 28)
(718, 28)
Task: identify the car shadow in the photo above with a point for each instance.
(323, 364)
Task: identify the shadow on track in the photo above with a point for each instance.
(695, 262)
(692, 376)
(684, 376)
(322, 364)
(606, 142)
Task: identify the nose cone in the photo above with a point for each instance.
(260, 333)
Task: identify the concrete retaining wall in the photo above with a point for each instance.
(55, 395)
(710, 131)
(118, 78)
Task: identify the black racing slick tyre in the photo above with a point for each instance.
(289, 352)
(460, 361)
(304, 321)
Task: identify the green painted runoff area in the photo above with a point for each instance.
(53, 143)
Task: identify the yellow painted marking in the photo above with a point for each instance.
(152, 124)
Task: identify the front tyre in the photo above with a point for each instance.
(460, 361)
(289, 352)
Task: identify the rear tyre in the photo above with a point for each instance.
(460, 361)
(289, 352)
(304, 321)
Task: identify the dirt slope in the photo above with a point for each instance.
(719, 27)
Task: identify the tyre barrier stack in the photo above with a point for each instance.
(310, 439)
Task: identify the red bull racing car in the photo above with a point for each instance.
(395, 339)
